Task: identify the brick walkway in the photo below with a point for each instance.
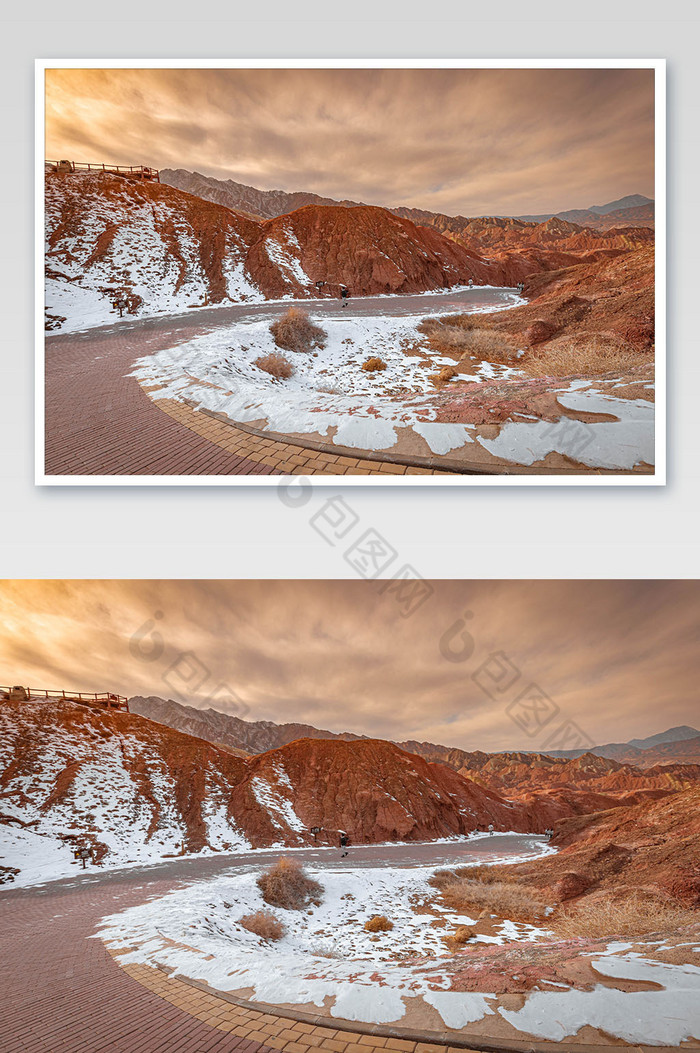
(100, 421)
(62, 992)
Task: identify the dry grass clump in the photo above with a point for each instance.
(469, 889)
(629, 916)
(277, 366)
(467, 336)
(373, 365)
(434, 326)
(287, 885)
(263, 924)
(487, 875)
(295, 331)
(588, 353)
(378, 923)
(490, 344)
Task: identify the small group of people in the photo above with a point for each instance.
(520, 287)
(549, 833)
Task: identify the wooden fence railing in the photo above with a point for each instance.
(139, 171)
(106, 698)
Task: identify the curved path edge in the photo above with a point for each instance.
(396, 1038)
(437, 464)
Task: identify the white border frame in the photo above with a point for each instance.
(659, 476)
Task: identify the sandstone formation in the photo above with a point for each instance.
(652, 847)
(164, 249)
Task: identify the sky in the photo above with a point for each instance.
(469, 142)
(614, 659)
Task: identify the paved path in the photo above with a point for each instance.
(62, 992)
(99, 421)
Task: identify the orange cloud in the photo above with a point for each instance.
(459, 141)
(618, 657)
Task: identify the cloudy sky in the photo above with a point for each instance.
(619, 659)
(474, 142)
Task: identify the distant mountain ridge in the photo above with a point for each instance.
(633, 210)
(629, 211)
(261, 204)
(680, 744)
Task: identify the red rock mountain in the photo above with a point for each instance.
(654, 846)
(634, 210)
(262, 204)
(611, 296)
(253, 736)
(507, 773)
(168, 250)
(366, 248)
(138, 790)
(369, 788)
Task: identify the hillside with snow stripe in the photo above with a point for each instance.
(136, 791)
(164, 250)
(131, 789)
(169, 250)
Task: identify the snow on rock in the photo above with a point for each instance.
(275, 796)
(137, 791)
(666, 1016)
(132, 789)
(623, 442)
(329, 393)
(168, 250)
(326, 957)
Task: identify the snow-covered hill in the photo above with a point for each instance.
(168, 250)
(109, 237)
(135, 791)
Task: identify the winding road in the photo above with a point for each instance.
(62, 991)
(99, 421)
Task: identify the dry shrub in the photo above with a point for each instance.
(263, 924)
(483, 873)
(446, 374)
(276, 365)
(378, 923)
(373, 365)
(462, 935)
(588, 353)
(517, 902)
(295, 331)
(490, 344)
(632, 915)
(287, 885)
(431, 326)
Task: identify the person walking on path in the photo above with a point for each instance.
(344, 842)
(344, 293)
